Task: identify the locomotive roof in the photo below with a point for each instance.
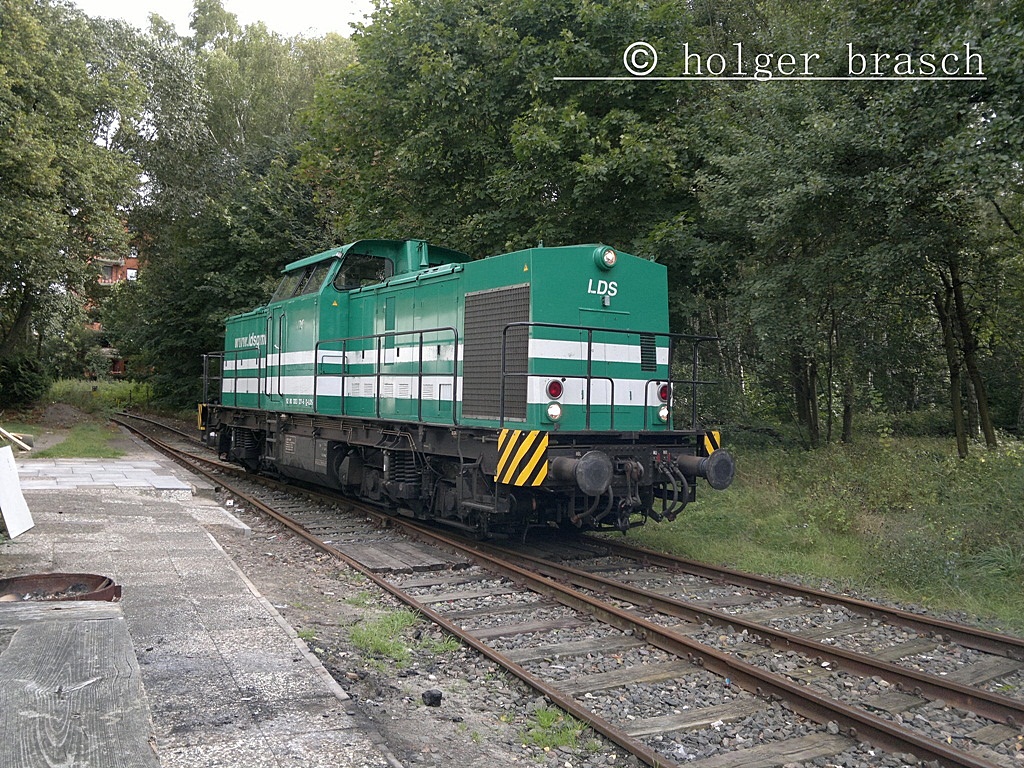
(407, 255)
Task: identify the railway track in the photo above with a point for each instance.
(681, 664)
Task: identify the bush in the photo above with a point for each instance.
(22, 380)
(100, 396)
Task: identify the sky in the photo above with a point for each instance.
(311, 18)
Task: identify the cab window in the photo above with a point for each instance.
(286, 288)
(313, 279)
(302, 281)
(359, 270)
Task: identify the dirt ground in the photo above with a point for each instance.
(52, 423)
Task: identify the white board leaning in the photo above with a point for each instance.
(17, 518)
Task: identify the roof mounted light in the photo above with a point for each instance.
(605, 257)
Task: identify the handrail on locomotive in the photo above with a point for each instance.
(673, 339)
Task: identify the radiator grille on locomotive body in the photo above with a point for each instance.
(648, 352)
(487, 314)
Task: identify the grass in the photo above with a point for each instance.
(84, 441)
(387, 637)
(362, 599)
(552, 728)
(901, 516)
(447, 644)
(19, 427)
(384, 636)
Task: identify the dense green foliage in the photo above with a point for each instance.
(68, 100)
(100, 398)
(22, 380)
(227, 208)
(857, 245)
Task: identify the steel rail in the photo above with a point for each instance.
(855, 723)
(147, 420)
(991, 705)
(970, 637)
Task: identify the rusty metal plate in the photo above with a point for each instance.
(59, 586)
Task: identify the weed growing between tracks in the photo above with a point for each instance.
(384, 636)
(553, 728)
(904, 516)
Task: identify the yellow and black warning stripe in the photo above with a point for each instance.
(522, 457)
(712, 441)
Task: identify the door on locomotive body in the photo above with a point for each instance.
(436, 314)
(291, 338)
(270, 385)
(399, 352)
(348, 348)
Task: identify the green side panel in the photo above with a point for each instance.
(568, 287)
(245, 343)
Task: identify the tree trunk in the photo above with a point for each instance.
(848, 393)
(973, 420)
(1020, 415)
(970, 347)
(19, 331)
(833, 342)
(943, 308)
(814, 423)
(805, 388)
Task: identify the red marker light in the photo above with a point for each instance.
(554, 389)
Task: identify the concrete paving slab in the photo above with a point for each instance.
(49, 474)
(227, 680)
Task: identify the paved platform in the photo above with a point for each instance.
(60, 474)
(226, 680)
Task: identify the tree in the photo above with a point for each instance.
(227, 205)
(66, 98)
(848, 215)
(451, 126)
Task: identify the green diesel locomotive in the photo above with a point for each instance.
(540, 387)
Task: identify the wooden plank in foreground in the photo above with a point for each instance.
(628, 675)
(71, 695)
